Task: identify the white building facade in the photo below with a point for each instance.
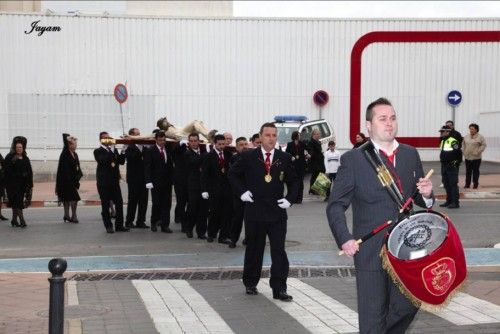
(236, 73)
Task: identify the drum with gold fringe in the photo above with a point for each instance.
(425, 258)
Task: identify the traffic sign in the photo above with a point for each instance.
(121, 93)
(321, 98)
(454, 98)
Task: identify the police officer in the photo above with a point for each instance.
(450, 157)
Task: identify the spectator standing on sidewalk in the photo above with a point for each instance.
(296, 148)
(360, 140)
(2, 185)
(332, 163)
(473, 147)
(19, 180)
(317, 160)
(68, 178)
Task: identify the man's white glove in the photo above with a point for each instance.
(149, 185)
(283, 203)
(183, 142)
(124, 148)
(204, 195)
(247, 196)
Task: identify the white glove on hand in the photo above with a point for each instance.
(183, 142)
(247, 196)
(124, 148)
(283, 203)
(204, 195)
(149, 185)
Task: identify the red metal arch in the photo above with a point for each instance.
(403, 37)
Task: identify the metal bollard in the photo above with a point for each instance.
(56, 303)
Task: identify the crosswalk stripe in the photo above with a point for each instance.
(176, 307)
(465, 309)
(316, 311)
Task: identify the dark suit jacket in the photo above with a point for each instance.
(357, 184)
(300, 163)
(248, 174)
(180, 168)
(193, 169)
(135, 165)
(156, 171)
(213, 180)
(108, 166)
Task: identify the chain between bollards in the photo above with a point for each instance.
(57, 267)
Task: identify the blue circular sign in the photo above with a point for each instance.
(454, 97)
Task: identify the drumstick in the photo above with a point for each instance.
(410, 199)
(371, 234)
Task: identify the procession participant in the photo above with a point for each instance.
(238, 205)
(158, 176)
(18, 180)
(382, 308)
(215, 188)
(68, 178)
(137, 192)
(258, 177)
(197, 208)
(296, 148)
(108, 183)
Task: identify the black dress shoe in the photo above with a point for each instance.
(166, 230)
(66, 219)
(74, 220)
(244, 242)
(475, 186)
(225, 241)
(154, 228)
(202, 237)
(251, 290)
(129, 225)
(467, 186)
(122, 229)
(189, 234)
(282, 295)
(232, 245)
(110, 230)
(210, 239)
(3, 218)
(453, 206)
(444, 205)
(141, 225)
(14, 223)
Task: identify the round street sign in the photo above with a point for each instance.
(321, 98)
(454, 98)
(121, 93)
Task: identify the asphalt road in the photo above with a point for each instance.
(477, 222)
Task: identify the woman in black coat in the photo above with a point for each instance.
(19, 180)
(68, 178)
(296, 148)
(360, 140)
(317, 160)
(2, 185)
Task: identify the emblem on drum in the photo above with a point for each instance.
(439, 276)
(417, 236)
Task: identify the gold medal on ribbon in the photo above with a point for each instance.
(282, 176)
(268, 178)
(113, 164)
(77, 168)
(297, 157)
(223, 170)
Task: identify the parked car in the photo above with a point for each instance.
(287, 124)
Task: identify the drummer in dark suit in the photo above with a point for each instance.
(296, 148)
(108, 183)
(259, 177)
(137, 192)
(158, 175)
(382, 308)
(215, 187)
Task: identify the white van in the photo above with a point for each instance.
(286, 125)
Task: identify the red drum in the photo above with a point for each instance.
(425, 257)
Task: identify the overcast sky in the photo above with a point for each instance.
(361, 9)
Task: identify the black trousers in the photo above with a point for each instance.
(301, 188)
(197, 212)
(137, 201)
(255, 235)
(111, 193)
(219, 217)
(237, 221)
(472, 171)
(450, 182)
(382, 308)
(332, 177)
(181, 197)
(162, 202)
